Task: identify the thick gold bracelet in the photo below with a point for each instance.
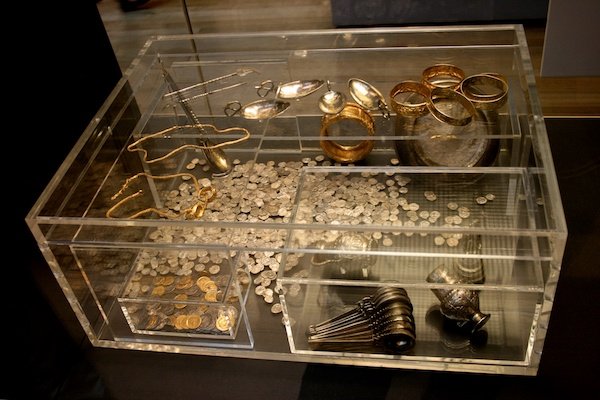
(481, 100)
(443, 76)
(346, 153)
(449, 94)
(407, 108)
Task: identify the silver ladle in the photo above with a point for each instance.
(332, 102)
(216, 157)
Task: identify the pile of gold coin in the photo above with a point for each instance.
(186, 321)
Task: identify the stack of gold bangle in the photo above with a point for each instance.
(347, 153)
(447, 82)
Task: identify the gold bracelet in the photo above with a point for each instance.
(481, 100)
(346, 153)
(449, 94)
(407, 108)
(443, 76)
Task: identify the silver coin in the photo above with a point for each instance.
(276, 308)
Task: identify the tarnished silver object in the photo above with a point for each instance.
(470, 270)
(239, 72)
(368, 97)
(383, 319)
(332, 102)
(458, 304)
(216, 157)
(353, 255)
(260, 109)
(454, 339)
(290, 90)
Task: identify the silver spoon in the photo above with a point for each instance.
(368, 97)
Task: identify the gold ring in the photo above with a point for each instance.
(405, 107)
(481, 100)
(347, 153)
(449, 94)
(443, 76)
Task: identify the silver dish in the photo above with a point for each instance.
(367, 96)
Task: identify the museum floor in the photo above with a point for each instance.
(61, 364)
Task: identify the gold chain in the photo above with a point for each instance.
(133, 146)
(205, 195)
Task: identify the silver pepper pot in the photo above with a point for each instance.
(459, 304)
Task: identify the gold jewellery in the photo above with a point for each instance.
(446, 84)
(468, 88)
(195, 211)
(341, 152)
(134, 146)
(443, 76)
(405, 107)
(438, 95)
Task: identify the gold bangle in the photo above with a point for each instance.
(406, 108)
(481, 100)
(449, 94)
(346, 153)
(443, 76)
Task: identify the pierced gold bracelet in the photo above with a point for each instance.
(347, 153)
(407, 108)
(134, 146)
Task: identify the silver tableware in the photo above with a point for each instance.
(260, 109)
(332, 102)
(216, 157)
(290, 90)
(457, 304)
(241, 72)
(368, 97)
(384, 318)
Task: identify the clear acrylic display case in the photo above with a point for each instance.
(287, 225)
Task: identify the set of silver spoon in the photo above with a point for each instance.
(384, 319)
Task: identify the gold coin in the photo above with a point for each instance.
(183, 282)
(158, 291)
(200, 282)
(202, 309)
(181, 296)
(211, 287)
(180, 321)
(211, 296)
(168, 280)
(193, 321)
(152, 321)
(223, 323)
